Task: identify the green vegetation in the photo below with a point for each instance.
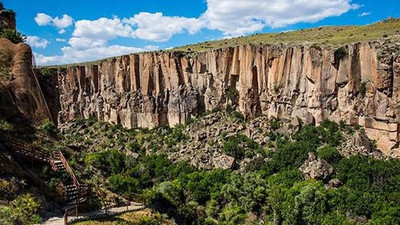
(330, 36)
(21, 210)
(341, 53)
(362, 89)
(240, 146)
(12, 35)
(46, 71)
(273, 191)
(232, 93)
(145, 217)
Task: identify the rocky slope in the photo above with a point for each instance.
(357, 83)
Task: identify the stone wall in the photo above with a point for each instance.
(358, 84)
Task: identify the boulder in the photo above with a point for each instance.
(224, 162)
(314, 168)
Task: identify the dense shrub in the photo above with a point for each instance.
(330, 154)
(12, 35)
(22, 210)
(240, 146)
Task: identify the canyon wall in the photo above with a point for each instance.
(358, 83)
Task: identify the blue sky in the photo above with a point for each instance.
(61, 31)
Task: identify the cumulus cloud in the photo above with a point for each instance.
(43, 19)
(232, 17)
(160, 28)
(65, 21)
(37, 42)
(148, 26)
(102, 28)
(75, 53)
(239, 17)
(90, 38)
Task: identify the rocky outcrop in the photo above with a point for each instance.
(359, 84)
(314, 168)
(19, 87)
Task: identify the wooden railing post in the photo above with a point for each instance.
(66, 217)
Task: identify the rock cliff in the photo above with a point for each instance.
(20, 93)
(358, 84)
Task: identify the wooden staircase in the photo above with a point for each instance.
(75, 193)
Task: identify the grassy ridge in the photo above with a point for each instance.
(330, 36)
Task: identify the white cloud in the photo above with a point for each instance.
(73, 55)
(43, 19)
(160, 28)
(65, 21)
(90, 38)
(239, 17)
(232, 17)
(60, 40)
(102, 28)
(148, 26)
(364, 14)
(84, 43)
(37, 41)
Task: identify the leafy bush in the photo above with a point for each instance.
(111, 161)
(231, 93)
(240, 146)
(341, 53)
(123, 184)
(238, 115)
(21, 210)
(49, 128)
(46, 72)
(12, 35)
(362, 89)
(329, 154)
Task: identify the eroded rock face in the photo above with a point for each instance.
(313, 84)
(19, 84)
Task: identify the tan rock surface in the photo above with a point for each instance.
(18, 81)
(165, 88)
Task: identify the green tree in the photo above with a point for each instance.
(304, 203)
(248, 191)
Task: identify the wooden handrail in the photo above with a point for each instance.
(22, 148)
(68, 169)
